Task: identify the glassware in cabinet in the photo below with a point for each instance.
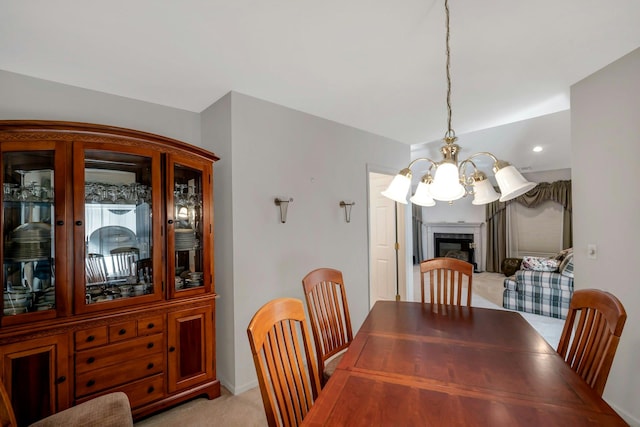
(28, 233)
(189, 226)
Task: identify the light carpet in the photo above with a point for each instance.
(246, 410)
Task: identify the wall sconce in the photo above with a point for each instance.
(347, 209)
(284, 205)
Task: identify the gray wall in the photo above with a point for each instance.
(216, 136)
(28, 98)
(605, 152)
(279, 152)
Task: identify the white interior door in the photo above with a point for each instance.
(387, 229)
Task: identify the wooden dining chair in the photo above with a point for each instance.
(447, 280)
(284, 361)
(330, 321)
(591, 334)
(122, 259)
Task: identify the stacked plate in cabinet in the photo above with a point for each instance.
(195, 279)
(30, 241)
(185, 239)
(46, 300)
(17, 300)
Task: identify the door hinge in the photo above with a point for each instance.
(397, 246)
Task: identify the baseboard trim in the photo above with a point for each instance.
(240, 389)
(631, 420)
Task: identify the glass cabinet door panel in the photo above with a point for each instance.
(28, 243)
(118, 228)
(187, 228)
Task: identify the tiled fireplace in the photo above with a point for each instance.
(462, 240)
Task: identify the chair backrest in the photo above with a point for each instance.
(284, 361)
(591, 334)
(447, 280)
(123, 259)
(7, 416)
(329, 313)
(95, 269)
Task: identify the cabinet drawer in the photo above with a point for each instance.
(122, 331)
(93, 337)
(150, 325)
(114, 375)
(145, 391)
(97, 358)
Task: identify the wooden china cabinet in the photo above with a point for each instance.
(107, 267)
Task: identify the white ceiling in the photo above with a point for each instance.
(377, 65)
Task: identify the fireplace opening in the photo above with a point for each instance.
(455, 245)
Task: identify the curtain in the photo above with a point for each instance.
(558, 191)
(496, 217)
(418, 250)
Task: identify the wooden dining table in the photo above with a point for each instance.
(414, 364)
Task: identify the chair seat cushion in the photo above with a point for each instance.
(109, 410)
(331, 365)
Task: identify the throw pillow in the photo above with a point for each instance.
(510, 266)
(539, 263)
(560, 256)
(566, 266)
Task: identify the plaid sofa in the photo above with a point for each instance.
(539, 292)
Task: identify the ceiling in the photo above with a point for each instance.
(376, 65)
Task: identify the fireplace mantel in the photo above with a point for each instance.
(457, 227)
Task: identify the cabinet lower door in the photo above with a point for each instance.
(35, 374)
(190, 340)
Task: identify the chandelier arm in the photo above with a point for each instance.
(485, 153)
(433, 164)
(466, 180)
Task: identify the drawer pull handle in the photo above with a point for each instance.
(122, 331)
(78, 223)
(150, 326)
(170, 221)
(172, 349)
(150, 366)
(151, 389)
(59, 222)
(90, 338)
(150, 345)
(61, 379)
(90, 383)
(91, 360)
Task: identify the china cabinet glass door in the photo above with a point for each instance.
(30, 240)
(189, 226)
(114, 206)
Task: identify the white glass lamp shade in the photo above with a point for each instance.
(446, 183)
(512, 184)
(483, 192)
(422, 196)
(399, 187)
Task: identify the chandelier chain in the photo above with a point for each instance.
(450, 133)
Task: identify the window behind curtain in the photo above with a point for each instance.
(534, 231)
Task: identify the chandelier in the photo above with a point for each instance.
(452, 180)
